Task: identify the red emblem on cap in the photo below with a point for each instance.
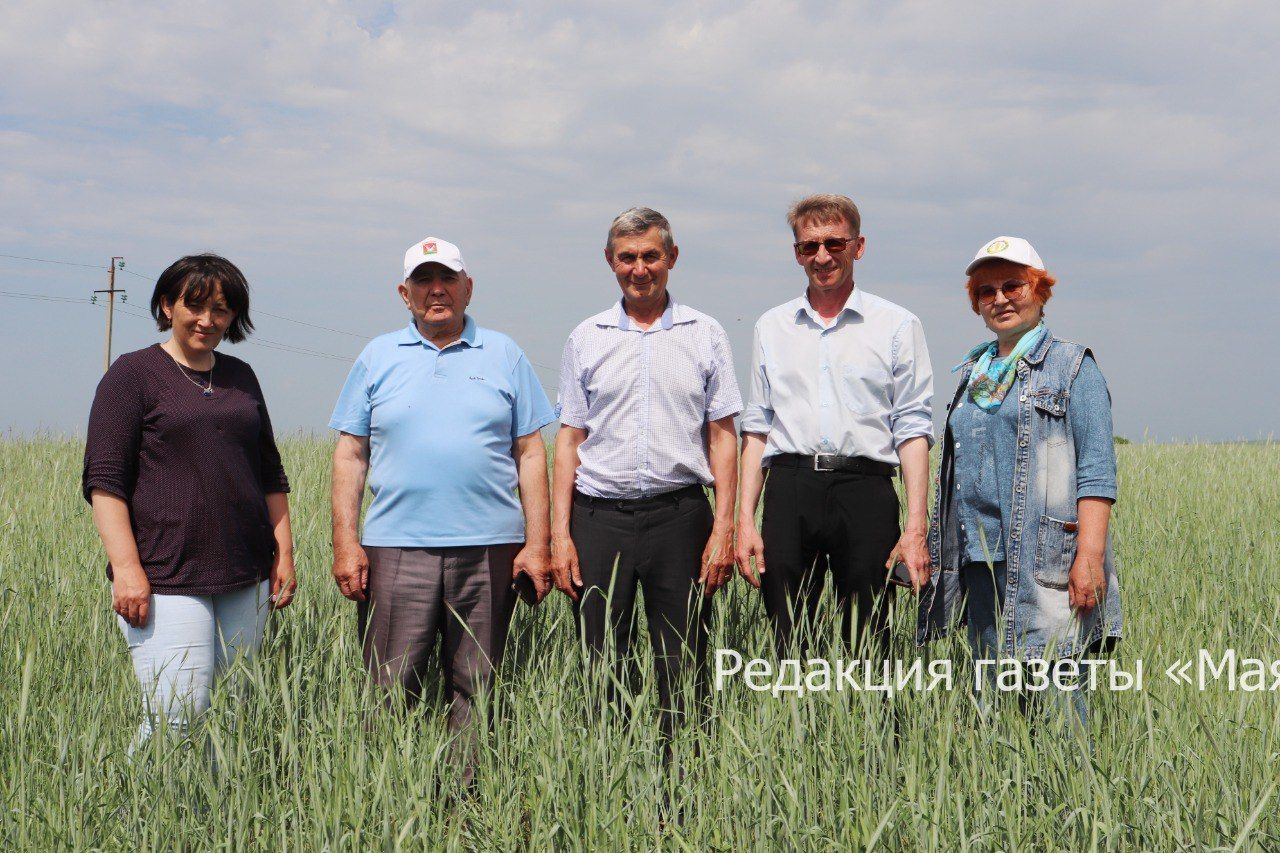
(429, 247)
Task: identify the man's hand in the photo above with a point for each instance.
(750, 545)
(1087, 582)
(717, 559)
(564, 566)
(131, 594)
(284, 581)
(534, 561)
(351, 571)
(912, 549)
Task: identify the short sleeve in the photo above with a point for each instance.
(532, 408)
(758, 417)
(572, 397)
(354, 410)
(723, 397)
(115, 432)
(1090, 413)
(270, 467)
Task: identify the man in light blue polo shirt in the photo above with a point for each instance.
(442, 420)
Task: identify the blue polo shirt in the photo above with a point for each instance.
(441, 423)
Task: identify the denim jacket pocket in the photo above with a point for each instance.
(863, 388)
(1055, 551)
(1052, 407)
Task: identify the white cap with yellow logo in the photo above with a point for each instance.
(432, 250)
(1009, 249)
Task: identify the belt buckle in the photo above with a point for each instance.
(817, 462)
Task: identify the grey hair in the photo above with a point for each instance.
(638, 220)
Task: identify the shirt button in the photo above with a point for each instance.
(825, 405)
(824, 367)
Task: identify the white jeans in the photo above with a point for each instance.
(188, 641)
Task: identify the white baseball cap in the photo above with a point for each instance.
(432, 250)
(1007, 248)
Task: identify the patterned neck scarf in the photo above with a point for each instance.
(989, 382)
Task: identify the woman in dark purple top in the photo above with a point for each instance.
(188, 493)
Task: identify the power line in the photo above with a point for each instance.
(257, 341)
(42, 297)
(51, 261)
(265, 343)
(144, 277)
(312, 325)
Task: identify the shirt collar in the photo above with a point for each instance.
(470, 335)
(674, 313)
(1035, 356)
(852, 305)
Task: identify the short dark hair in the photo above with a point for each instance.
(192, 279)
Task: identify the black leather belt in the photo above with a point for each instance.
(633, 504)
(844, 464)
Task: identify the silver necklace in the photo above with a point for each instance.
(206, 390)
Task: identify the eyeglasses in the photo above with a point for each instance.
(1012, 289)
(834, 245)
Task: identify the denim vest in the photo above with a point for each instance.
(1040, 546)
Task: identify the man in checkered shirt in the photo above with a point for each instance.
(647, 402)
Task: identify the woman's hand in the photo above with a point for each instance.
(284, 581)
(1087, 582)
(131, 594)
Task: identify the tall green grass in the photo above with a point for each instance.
(308, 758)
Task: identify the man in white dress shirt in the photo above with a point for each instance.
(840, 397)
(647, 401)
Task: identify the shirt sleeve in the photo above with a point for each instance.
(270, 467)
(758, 416)
(572, 396)
(723, 397)
(354, 410)
(912, 412)
(532, 408)
(115, 433)
(1090, 413)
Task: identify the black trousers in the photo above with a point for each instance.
(815, 520)
(656, 545)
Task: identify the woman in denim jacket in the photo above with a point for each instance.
(1023, 498)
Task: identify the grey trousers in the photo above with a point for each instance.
(462, 596)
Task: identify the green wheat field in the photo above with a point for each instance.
(308, 759)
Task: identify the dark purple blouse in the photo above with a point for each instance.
(194, 470)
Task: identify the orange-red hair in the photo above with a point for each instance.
(1041, 282)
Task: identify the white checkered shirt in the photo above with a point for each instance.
(645, 397)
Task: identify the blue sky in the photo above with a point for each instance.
(311, 143)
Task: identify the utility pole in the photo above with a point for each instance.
(111, 305)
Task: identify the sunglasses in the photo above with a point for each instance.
(1012, 289)
(834, 245)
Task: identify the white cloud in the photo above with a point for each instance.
(312, 140)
